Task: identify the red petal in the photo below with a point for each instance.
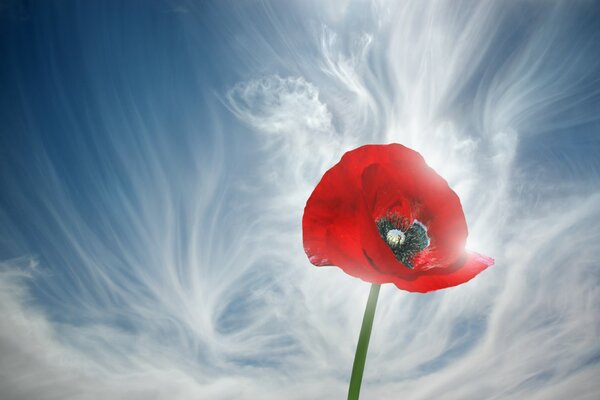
(452, 275)
(337, 227)
(332, 223)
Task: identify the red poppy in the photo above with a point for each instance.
(383, 215)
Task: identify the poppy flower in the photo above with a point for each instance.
(383, 215)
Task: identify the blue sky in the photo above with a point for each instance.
(155, 158)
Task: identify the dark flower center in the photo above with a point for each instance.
(404, 240)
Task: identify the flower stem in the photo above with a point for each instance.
(363, 344)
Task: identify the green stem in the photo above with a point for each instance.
(363, 344)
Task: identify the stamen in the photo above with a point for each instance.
(404, 241)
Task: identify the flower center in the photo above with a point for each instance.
(395, 237)
(405, 242)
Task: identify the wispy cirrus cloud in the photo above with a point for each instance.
(151, 233)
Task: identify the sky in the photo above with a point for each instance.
(156, 156)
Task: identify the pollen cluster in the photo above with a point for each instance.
(405, 242)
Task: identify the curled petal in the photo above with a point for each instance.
(470, 265)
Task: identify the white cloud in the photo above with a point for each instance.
(222, 300)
